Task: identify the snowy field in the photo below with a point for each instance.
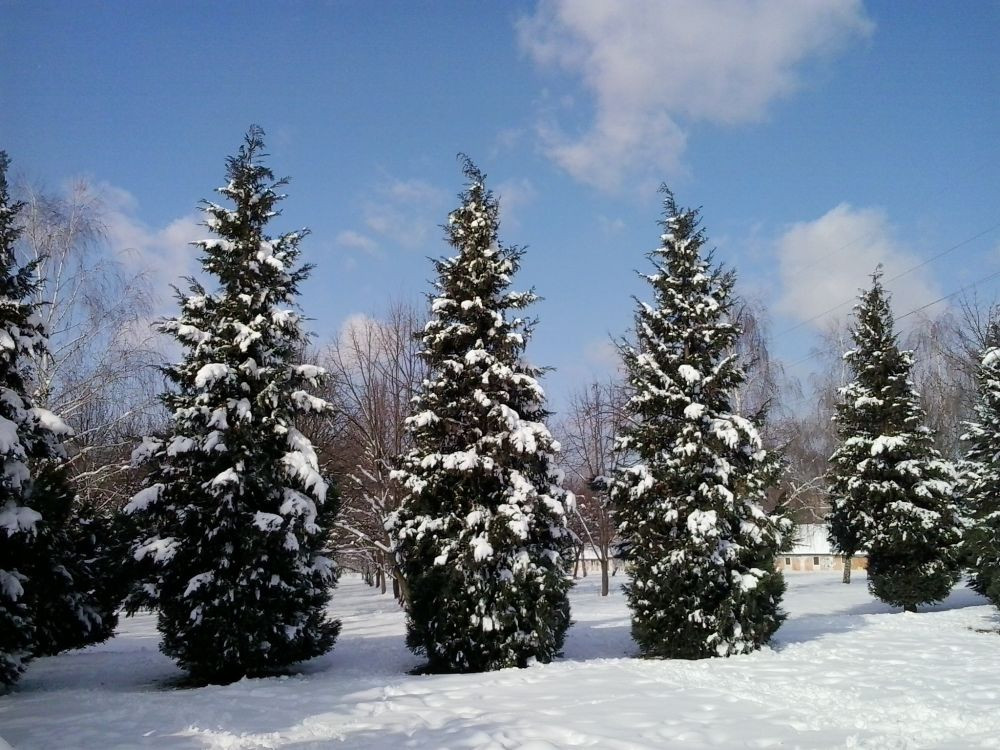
(844, 671)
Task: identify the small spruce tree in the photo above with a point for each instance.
(481, 538)
(689, 498)
(982, 478)
(233, 519)
(73, 567)
(892, 493)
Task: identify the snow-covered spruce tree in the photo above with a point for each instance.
(234, 516)
(46, 596)
(892, 493)
(75, 601)
(20, 331)
(74, 566)
(689, 495)
(982, 479)
(481, 537)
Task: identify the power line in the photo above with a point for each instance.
(896, 319)
(948, 296)
(943, 253)
(900, 275)
(828, 255)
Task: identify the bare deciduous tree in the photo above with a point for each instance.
(948, 349)
(100, 371)
(375, 368)
(594, 417)
(756, 397)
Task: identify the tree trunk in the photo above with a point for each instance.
(404, 590)
(381, 574)
(847, 568)
(605, 587)
(909, 607)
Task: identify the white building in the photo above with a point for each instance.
(590, 562)
(812, 551)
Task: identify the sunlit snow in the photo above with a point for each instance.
(843, 671)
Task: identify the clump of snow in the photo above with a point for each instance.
(144, 498)
(161, 550)
(50, 421)
(196, 582)
(145, 450)
(228, 476)
(311, 373)
(180, 444)
(209, 374)
(267, 521)
(306, 402)
(991, 357)
(12, 590)
(887, 443)
(9, 441)
(690, 374)
(694, 411)
(18, 519)
(481, 548)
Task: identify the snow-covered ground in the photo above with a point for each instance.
(844, 671)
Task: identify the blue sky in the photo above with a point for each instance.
(819, 137)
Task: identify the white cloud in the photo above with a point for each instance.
(405, 212)
(611, 226)
(360, 337)
(823, 263)
(513, 195)
(602, 354)
(655, 67)
(357, 325)
(356, 241)
(163, 254)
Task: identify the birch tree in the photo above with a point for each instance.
(376, 370)
(596, 414)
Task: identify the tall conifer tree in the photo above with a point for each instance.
(48, 597)
(20, 332)
(689, 499)
(234, 517)
(892, 493)
(481, 538)
(982, 486)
